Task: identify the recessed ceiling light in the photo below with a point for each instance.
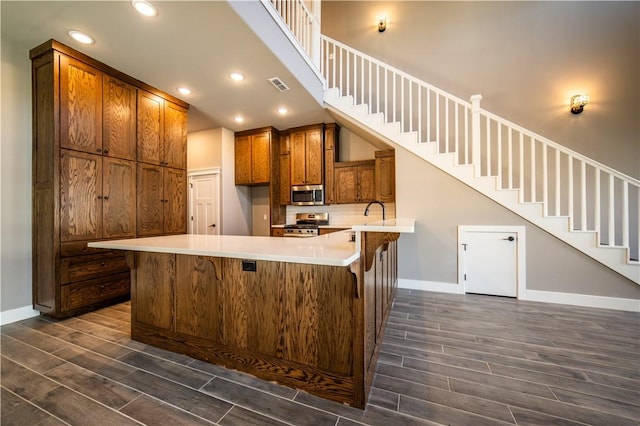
(81, 37)
(236, 76)
(282, 111)
(238, 119)
(145, 8)
(184, 90)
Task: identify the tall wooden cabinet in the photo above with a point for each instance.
(307, 155)
(87, 136)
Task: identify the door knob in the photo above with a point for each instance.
(212, 226)
(509, 239)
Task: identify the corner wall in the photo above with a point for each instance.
(15, 182)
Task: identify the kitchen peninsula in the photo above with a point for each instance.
(305, 312)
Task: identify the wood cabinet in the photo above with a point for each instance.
(386, 176)
(253, 157)
(285, 169)
(162, 131)
(161, 200)
(355, 182)
(307, 155)
(90, 130)
(277, 232)
(97, 197)
(331, 138)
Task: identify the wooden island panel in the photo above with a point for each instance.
(312, 327)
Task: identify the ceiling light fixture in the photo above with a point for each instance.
(238, 119)
(282, 110)
(81, 37)
(184, 90)
(236, 76)
(144, 8)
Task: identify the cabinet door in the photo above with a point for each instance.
(260, 158)
(174, 201)
(150, 120)
(150, 196)
(80, 106)
(242, 157)
(285, 179)
(80, 196)
(385, 176)
(314, 157)
(175, 136)
(366, 184)
(346, 181)
(119, 119)
(154, 284)
(298, 159)
(119, 198)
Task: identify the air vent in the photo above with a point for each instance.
(278, 84)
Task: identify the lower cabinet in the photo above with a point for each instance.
(162, 201)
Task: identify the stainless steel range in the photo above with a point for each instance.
(307, 225)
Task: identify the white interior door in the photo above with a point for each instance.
(204, 205)
(490, 263)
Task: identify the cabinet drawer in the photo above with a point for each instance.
(80, 268)
(86, 293)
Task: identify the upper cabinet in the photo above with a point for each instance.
(386, 176)
(80, 106)
(307, 155)
(253, 160)
(355, 182)
(162, 131)
(118, 118)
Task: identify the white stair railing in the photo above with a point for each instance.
(303, 24)
(593, 196)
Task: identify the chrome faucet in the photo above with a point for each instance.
(366, 211)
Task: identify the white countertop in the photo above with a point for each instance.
(402, 225)
(333, 249)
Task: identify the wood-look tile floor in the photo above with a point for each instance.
(446, 359)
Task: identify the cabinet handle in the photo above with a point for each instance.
(100, 197)
(102, 263)
(99, 150)
(106, 151)
(106, 197)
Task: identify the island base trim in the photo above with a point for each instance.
(339, 388)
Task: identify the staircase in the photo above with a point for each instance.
(580, 201)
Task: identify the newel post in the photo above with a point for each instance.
(475, 134)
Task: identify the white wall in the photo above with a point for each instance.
(15, 178)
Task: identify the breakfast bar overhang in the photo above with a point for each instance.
(307, 313)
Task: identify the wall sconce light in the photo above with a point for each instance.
(382, 23)
(578, 102)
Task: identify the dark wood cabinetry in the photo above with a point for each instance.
(161, 200)
(307, 155)
(285, 169)
(90, 125)
(355, 182)
(386, 176)
(253, 157)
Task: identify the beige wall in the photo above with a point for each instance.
(526, 59)
(15, 178)
(215, 148)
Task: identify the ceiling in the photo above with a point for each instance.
(193, 44)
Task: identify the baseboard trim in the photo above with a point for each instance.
(18, 314)
(619, 304)
(586, 300)
(429, 286)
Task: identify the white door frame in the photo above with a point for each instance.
(200, 172)
(521, 275)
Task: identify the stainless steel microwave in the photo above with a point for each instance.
(307, 195)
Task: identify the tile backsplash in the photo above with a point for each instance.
(344, 214)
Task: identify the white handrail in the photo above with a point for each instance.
(304, 25)
(566, 182)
